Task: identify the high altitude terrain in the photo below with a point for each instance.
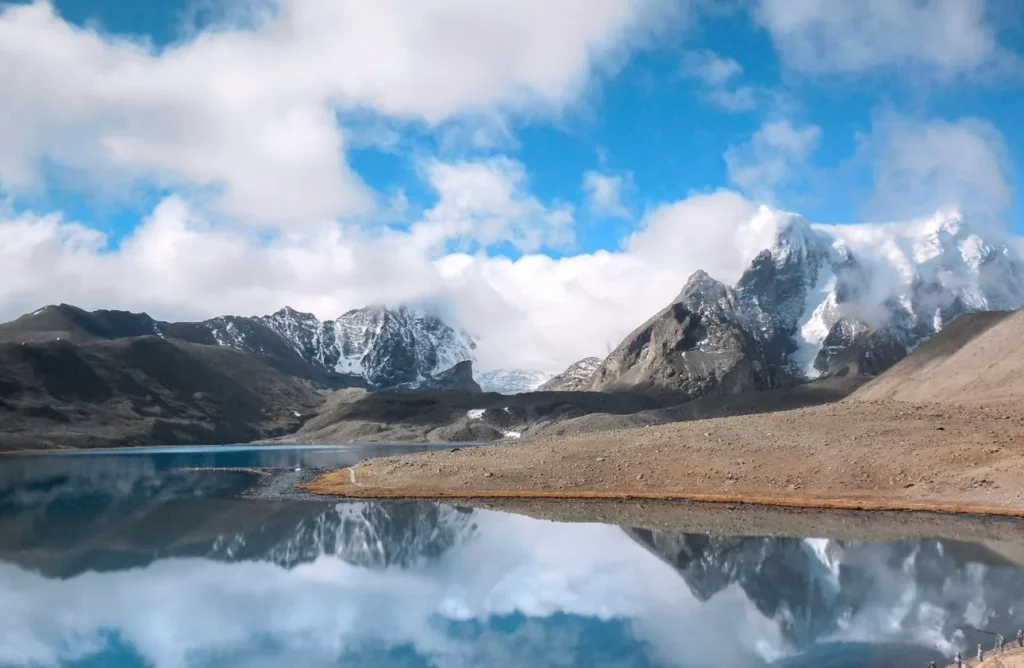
(944, 428)
(70, 377)
(829, 304)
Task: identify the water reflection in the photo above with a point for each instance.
(170, 568)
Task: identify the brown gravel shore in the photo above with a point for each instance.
(1011, 658)
(870, 455)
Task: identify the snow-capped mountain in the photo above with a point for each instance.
(511, 381)
(822, 299)
(844, 282)
(387, 347)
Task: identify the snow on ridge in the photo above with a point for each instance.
(364, 342)
(912, 276)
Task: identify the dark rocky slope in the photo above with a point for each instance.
(142, 390)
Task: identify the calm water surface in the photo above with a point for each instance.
(136, 558)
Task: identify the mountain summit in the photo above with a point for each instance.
(821, 300)
(387, 347)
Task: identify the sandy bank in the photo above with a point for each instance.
(851, 455)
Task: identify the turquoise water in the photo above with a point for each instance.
(136, 558)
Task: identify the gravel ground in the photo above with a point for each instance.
(851, 454)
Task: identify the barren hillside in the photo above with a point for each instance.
(978, 357)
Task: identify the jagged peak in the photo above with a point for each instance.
(702, 282)
(289, 312)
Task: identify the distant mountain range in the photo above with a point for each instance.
(373, 346)
(819, 301)
(822, 300)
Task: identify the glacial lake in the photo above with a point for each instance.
(165, 558)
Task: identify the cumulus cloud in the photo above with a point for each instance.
(921, 166)
(945, 37)
(249, 112)
(535, 311)
(709, 67)
(488, 202)
(604, 194)
(772, 157)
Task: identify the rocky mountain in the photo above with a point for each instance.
(696, 345)
(821, 300)
(511, 381)
(576, 377)
(928, 591)
(400, 347)
(377, 346)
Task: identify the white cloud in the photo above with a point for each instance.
(743, 98)
(945, 37)
(718, 75)
(604, 194)
(533, 312)
(488, 202)
(771, 158)
(709, 67)
(920, 166)
(250, 111)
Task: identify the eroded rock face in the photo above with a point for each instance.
(695, 346)
(576, 377)
(854, 348)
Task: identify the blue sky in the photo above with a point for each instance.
(650, 121)
(356, 152)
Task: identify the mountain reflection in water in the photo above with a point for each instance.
(114, 564)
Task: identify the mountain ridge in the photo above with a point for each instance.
(819, 301)
(371, 347)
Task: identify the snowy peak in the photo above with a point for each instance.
(794, 238)
(388, 347)
(397, 346)
(841, 298)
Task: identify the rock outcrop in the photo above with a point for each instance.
(694, 346)
(576, 377)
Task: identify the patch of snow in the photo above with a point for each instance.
(511, 381)
(513, 434)
(820, 313)
(476, 413)
(297, 414)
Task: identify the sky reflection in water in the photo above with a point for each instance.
(110, 564)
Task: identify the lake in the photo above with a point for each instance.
(178, 557)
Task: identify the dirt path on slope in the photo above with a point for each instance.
(870, 455)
